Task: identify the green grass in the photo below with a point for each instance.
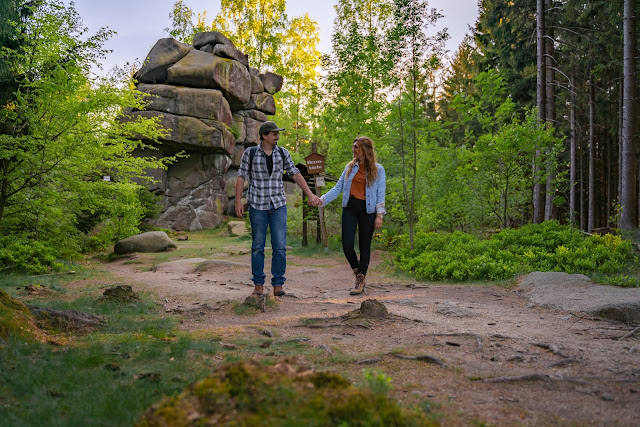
(109, 376)
(104, 378)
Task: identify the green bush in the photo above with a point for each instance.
(28, 255)
(536, 247)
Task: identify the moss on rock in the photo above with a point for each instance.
(247, 393)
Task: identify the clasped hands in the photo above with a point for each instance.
(315, 201)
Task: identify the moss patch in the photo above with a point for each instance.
(248, 393)
(16, 319)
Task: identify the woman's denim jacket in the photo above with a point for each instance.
(374, 193)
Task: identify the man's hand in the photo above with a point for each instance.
(239, 208)
(378, 222)
(315, 200)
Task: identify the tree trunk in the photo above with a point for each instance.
(550, 115)
(4, 188)
(628, 196)
(572, 153)
(415, 157)
(538, 202)
(592, 157)
(582, 193)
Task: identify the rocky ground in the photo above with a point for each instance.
(473, 353)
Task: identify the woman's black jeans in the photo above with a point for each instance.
(355, 216)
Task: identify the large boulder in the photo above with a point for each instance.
(151, 241)
(256, 84)
(196, 192)
(237, 156)
(183, 101)
(211, 38)
(263, 102)
(231, 179)
(202, 69)
(238, 128)
(226, 51)
(194, 173)
(252, 128)
(162, 55)
(272, 82)
(578, 293)
(254, 114)
(186, 132)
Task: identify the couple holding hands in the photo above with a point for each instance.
(362, 185)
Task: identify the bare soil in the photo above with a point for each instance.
(505, 361)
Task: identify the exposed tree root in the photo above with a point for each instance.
(421, 358)
(528, 377)
(630, 334)
(369, 361)
(564, 362)
(552, 348)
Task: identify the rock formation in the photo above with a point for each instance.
(211, 102)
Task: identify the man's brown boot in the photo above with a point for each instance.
(360, 279)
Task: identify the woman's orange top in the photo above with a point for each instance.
(358, 185)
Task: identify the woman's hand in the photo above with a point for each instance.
(378, 222)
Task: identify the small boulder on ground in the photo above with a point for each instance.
(576, 292)
(237, 228)
(151, 241)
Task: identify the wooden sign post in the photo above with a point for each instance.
(315, 166)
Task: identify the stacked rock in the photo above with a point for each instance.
(211, 104)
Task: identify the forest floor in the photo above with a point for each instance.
(469, 354)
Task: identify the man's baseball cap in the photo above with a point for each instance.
(267, 127)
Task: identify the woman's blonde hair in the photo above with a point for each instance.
(370, 169)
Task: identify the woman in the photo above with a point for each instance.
(362, 185)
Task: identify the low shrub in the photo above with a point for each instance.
(536, 247)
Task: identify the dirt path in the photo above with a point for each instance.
(580, 370)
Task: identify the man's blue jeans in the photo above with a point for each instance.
(276, 220)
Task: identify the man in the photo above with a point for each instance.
(263, 166)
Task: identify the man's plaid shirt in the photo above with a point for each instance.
(265, 190)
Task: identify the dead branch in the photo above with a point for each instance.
(461, 334)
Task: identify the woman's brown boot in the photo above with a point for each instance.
(355, 273)
(360, 279)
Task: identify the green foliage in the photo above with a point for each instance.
(255, 27)
(63, 132)
(622, 280)
(182, 23)
(248, 393)
(501, 173)
(28, 254)
(536, 247)
(376, 381)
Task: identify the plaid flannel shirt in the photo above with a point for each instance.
(264, 189)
